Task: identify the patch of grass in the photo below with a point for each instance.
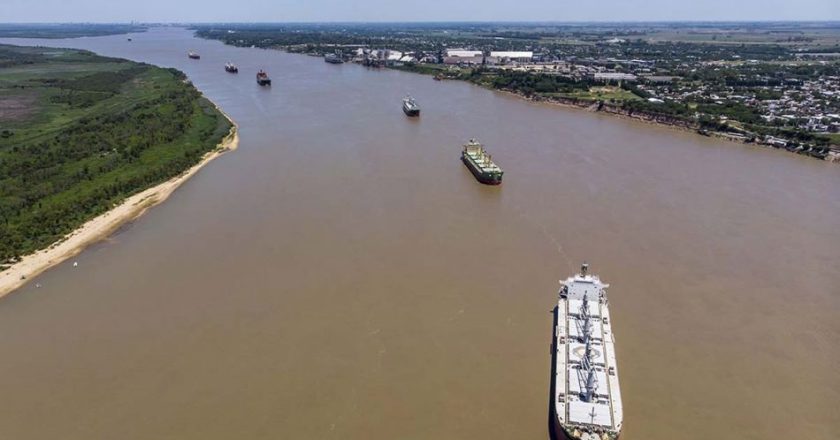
(430, 69)
(602, 93)
(834, 138)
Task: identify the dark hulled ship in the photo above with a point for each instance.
(410, 106)
(263, 79)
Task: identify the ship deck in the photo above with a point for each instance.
(478, 161)
(603, 413)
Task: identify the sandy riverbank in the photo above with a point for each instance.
(104, 225)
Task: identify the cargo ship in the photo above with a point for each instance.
(481, 164)
(332, 59)
(194, 55)
(263, 79)
(410, 106)
(586, 401)
(231, 68)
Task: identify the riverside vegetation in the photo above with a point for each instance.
(81, 132)
(65, 30)
(776, 84)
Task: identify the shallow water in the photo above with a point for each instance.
(342, 274)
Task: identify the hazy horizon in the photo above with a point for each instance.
(369, 11)
(536, 22)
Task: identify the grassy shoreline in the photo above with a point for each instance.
(65, 30)
(81, 133)
(103, 225)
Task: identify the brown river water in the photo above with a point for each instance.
(342, 275)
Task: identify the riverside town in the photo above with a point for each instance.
(772, 84)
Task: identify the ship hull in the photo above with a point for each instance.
(264, 82)
(561, 353)
(560, 432)
(411, 112)
(481, 176)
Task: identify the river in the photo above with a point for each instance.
(342, 275)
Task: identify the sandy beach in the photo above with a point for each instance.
(104, 225)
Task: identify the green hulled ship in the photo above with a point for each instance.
(481, 164)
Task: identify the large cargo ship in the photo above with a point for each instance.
(481, 164)
(586, 397)
(263, 79)
(410, 106)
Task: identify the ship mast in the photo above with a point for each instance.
(586, 363)
(587, 323)
(591, 386)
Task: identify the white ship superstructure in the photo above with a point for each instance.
(587, 398)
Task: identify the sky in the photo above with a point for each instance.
(54, 11)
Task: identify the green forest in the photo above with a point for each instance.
(80, 132)
(65, 30)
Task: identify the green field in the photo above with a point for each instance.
(65, 30)
(812, 34)
(603, 93)
(80, 132)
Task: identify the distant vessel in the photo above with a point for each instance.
(410, 107)
(129, 39)
(194, 55)
(231, 68)
(333, 58)
(586, 398)
(263, 79)
(481, 164)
